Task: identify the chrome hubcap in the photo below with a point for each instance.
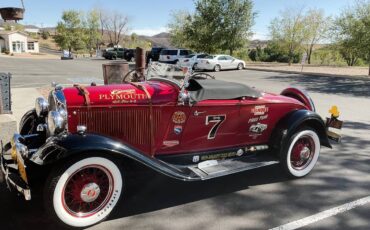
(90, 192)
(305, 153)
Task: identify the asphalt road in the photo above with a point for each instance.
(258, 199)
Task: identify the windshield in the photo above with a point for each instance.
(165, 72)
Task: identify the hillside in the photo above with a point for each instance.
(159, 40)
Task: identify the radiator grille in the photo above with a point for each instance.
(129, 124)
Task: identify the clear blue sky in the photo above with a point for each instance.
(150, 17)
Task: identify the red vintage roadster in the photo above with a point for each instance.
(196, 128)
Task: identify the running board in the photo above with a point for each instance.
(211, 169)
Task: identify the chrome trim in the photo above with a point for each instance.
(41, 106)
(56, 122)
(81, 129)
(309, 98)
(58, 111)
(26, 192)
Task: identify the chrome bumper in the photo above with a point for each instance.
(12, 167)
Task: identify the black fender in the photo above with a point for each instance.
(64, 146)
(289, 124)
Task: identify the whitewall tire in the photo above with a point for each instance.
(301, 153)
(84, 192)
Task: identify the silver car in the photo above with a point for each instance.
(220, 62)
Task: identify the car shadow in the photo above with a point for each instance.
(161, 192)
(341, 85)
(149, 192)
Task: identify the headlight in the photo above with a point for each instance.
(41, 106)
(56, 122)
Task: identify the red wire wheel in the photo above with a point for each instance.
(84, 191)
(87, 191)
(302, 152)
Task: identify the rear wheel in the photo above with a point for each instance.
(217, 68)
(300, 153)
(83, 192)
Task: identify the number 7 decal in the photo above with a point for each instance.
(217, 119)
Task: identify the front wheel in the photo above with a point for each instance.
(300, 153)
(83, 192)
(240, 66)
(217, 68)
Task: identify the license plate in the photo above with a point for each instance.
(334, 126)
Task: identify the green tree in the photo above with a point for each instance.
(92, 26)
(316, 28)
(237, 19)
(215, 25)
(288, 30)
(180, 23)
(353, 32)
(70, 33)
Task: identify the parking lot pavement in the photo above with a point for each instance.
(258, 199)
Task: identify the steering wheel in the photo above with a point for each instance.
(133, 76)
(202, 76)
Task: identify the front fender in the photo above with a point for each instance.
(288, 125)
(68, 145)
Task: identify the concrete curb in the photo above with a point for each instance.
(308, 73)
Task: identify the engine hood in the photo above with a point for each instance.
(122, 94)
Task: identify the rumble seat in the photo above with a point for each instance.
(200, 90)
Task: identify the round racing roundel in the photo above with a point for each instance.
(179, 117)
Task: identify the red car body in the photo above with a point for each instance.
(112, 114)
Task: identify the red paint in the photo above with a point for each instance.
(129, 120)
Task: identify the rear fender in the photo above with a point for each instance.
(288, 125)
(301, 96)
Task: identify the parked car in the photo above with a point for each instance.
(172, 56)
(129, 55)
(220, 62)
(154, 53)
(114, 53)
(191, 60)
(80, 143)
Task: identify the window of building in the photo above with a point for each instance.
(31, 46)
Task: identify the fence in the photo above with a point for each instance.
(5, 96)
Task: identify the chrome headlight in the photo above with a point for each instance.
(57, 122)
(41, 106)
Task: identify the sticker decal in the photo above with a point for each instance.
(217, 119)
(195, 159)
(260, 118)
(171, 143)
(178, 117)
(259, 110)
(177, 129)
(258, 128)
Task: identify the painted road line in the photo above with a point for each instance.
(323, 215)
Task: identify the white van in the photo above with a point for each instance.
(172, 56)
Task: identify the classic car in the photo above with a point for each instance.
(75, 143)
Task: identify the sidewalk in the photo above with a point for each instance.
(23, 99)
(310, 69)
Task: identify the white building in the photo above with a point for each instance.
(17, 42)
